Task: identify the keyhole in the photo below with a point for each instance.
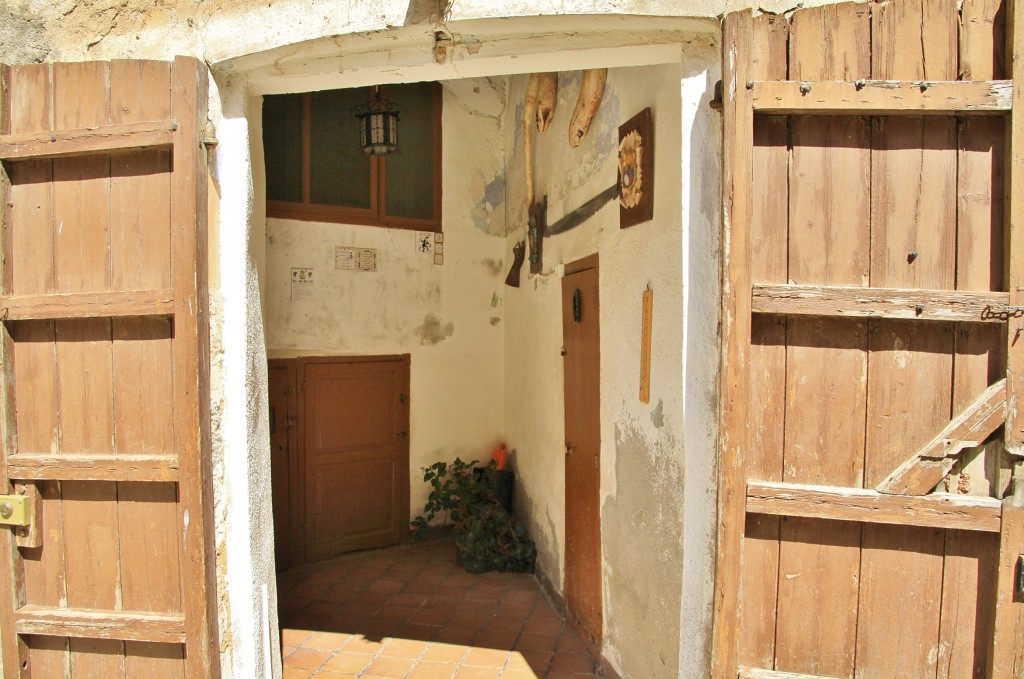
(6, 510)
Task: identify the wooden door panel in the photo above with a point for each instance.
(282, 387)
(355, 424)
(869, 202)
(583, 555)
(105, 383)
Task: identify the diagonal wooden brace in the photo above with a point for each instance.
(930, 464)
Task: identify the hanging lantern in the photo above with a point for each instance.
(378, 126)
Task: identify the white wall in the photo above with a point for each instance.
(448, 317)
(644, 451)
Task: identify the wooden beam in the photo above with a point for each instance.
(92, 467)
(757, 673)
(87, 305)
(68, 143)
(879, 97)
(961, 512)
(859, 302)
(930, 463)
(1007, 658)
(737, 209)
(100, 624)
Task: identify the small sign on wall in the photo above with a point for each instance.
(430, 243)
(355, 259)
(302, 283)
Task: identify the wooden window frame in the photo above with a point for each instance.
(377, 214)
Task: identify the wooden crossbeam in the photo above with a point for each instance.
(68, 143)
(758, 673)
(962, 512)
(930, 463)
(100, 624)
(882, 97)
(859, 302)
(87, 305)
(92, 467)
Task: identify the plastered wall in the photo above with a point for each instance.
(644, 451)
(448, 317)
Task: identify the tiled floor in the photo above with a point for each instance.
(410, 612)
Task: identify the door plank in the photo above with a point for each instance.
(766, 394)
(1007, 659)
(30, 267)
(968, 591)
(983, 40)
(85, 389)
(737, 168)
(819, 561)
(281, 392)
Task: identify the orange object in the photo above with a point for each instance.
(500, 457)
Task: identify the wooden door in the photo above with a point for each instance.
(354, 424)
(283, 460)
(869, 283)
(105, 355)
(583, 558)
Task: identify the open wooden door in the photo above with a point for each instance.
(105, 381)
(874, 293)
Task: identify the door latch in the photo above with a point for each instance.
(15, 510)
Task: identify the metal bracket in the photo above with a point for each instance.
(15, 510)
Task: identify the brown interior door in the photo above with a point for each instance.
(581, 337)
(283, 420)
(105, 355)
(355, 433)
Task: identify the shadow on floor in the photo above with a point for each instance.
(410, 612)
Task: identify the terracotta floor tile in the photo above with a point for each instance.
(420, 632)
(462, 636)
(297, 673)
(449, 653)
(518, 674)
(373, 598)
(579, 663)
(434, 670)
(395, 613)
(535, 642)
(505, 623)
(469, 620)
(393, 668)
(538, 661)
(326, 641)
(360, 644)
(485, 657)
(516, 661)
(294, 637)
(348, 662)
(466, 672)
(405, 648)
(418, 587)
(496, 639)
(430, 617)
(407, 599)
(386, 586)
(550, 628)
(308, 658)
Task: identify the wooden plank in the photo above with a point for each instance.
(48, 656)
(983, 40)
(755, 673)
(767, 357)
(30, 239)
(93, 467)
(89, 141)
(899, 303)
(88, 305)
(81, 185)
(828, 240)
(733, 444)
(1014, 267)
(191, 401)
(1007, 659)
(967, 615)
(932, 461)
(882, 97)
(84, 374)
(962, 512)
(82, 622)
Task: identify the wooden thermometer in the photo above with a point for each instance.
(645, 347)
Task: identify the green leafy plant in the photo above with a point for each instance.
(487, 538)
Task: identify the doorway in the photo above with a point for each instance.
(582, 361)
(340, 461)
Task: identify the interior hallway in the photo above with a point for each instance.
(410, 612)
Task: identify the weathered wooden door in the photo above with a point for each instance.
(874, 198)
(583, 559)
(105, 381)
(283, 460)
(354, 427)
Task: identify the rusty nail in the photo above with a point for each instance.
(925, 86)
(805, 88)
(750, 84)
(53, 137)
(919, 309)
(859, 84)
(911, 256)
